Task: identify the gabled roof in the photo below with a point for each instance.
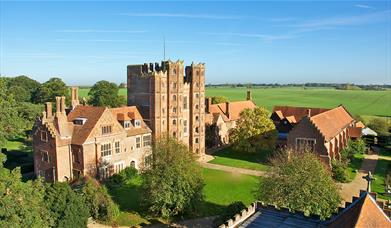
(331, 122)
(354, 132)
(363, 212)
(291, 119)
(131, 113)
(297, 112)
(92, 114)
(360, 124)
(235, 108)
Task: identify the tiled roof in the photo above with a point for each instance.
(291, 119)
(331, 122)
(92, 114)
(235, 108)
(354, 132)
(363, 212)
(360, 124)
(297, 112)
(131, 113)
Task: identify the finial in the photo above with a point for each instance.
(369, 178)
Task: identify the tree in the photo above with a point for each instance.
(219, 99)
(354, 147)
(105, 93)
(254, 130)
(299, 181)
(23, 88)
(11, 124)
(66, 208)
(21, 203)
(55, 87)
(379, 125)
(98, 201)
(173, 183)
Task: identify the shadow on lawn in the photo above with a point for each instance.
(258, 157)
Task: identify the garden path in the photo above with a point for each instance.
(353, 188)
(233, 169)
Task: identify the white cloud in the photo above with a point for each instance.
(364, 6)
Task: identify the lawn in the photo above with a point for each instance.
(358, 102)
(354, 166)
(382, 168)
(19, 154)
(254, 161)
(221, 189)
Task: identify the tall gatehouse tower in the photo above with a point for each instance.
(171, 98)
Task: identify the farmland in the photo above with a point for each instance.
(358, 102)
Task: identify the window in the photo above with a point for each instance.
(118, 167)
(45, 156)
(163, 98)
(197, 95)
(106, 130)
(196, 106)
(104, 172)
(174, 85)
(79, 121)
(197, 84)
(105, 149)
(174, 110)
(197, 118)
(44, 136)
(127, 124)
(184, 126)
(117, 147)
(42, 173)
(76, 155)
(305, 143)
(197, 130)
(163, 111)
(174, 122)
(174, 97)
(148, 160)
(138, 142)
(174, 134)
(196, 140)
(185, 102)
(137, 123)
(147, 140)
(133, 164)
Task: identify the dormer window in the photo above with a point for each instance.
(79, 121)
(127, 124)
(137, 123)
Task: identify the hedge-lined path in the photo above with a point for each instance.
(353, 188)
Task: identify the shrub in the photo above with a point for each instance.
(229, 212)
(339, 171)
(129, 173)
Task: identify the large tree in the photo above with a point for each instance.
(105, 93)
(21, 203)
(254, 131)
(55, 87)
(66, 207)
(380, 125)
(11, 124)
(173, 183)
(300, 181)
(23, 87)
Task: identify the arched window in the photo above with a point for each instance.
(174, 122)
(133, 164)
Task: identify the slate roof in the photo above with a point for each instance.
(331, 122)
(297, 112)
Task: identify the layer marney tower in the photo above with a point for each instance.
(169, 101)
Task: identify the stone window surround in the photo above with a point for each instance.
(306, 139)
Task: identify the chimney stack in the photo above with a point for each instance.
(58, 105)
(74, 97)
(63, 104)
(208, 104)
(227, 109)
(249, 98)
(309, 112)
(48, 110)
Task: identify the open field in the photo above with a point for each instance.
(221, 189)
(358, 102)
(254, 161)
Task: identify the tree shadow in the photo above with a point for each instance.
(260, 156)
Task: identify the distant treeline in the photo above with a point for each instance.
(340, 86)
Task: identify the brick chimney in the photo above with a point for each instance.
(227, 110)
(63, 105)
(249, 98)
(309, 112)
(58, 105)
(74, 97)
(48, 110)
(208, 103)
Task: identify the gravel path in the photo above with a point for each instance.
(353, 188)
(233, 169)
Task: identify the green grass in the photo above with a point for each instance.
(358, 102)
(354, 166)
(221, 188)
(382, 168)
(254, 161)
(19, 144)
(19, 154)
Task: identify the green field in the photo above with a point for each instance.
(358, 102)
(221, 188)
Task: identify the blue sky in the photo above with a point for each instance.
(259, 42)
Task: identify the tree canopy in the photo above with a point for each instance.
(219, 99)
(55, 87)
(22, 87)
(21, 203)
(299, 181)
(173, 183)
(379, 125)
(254, 130)
(104, 93)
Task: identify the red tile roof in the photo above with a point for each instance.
(354, 132)
(297, 112)
(360, 124)
(235, 108)
(364, 212)
(331, 122)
